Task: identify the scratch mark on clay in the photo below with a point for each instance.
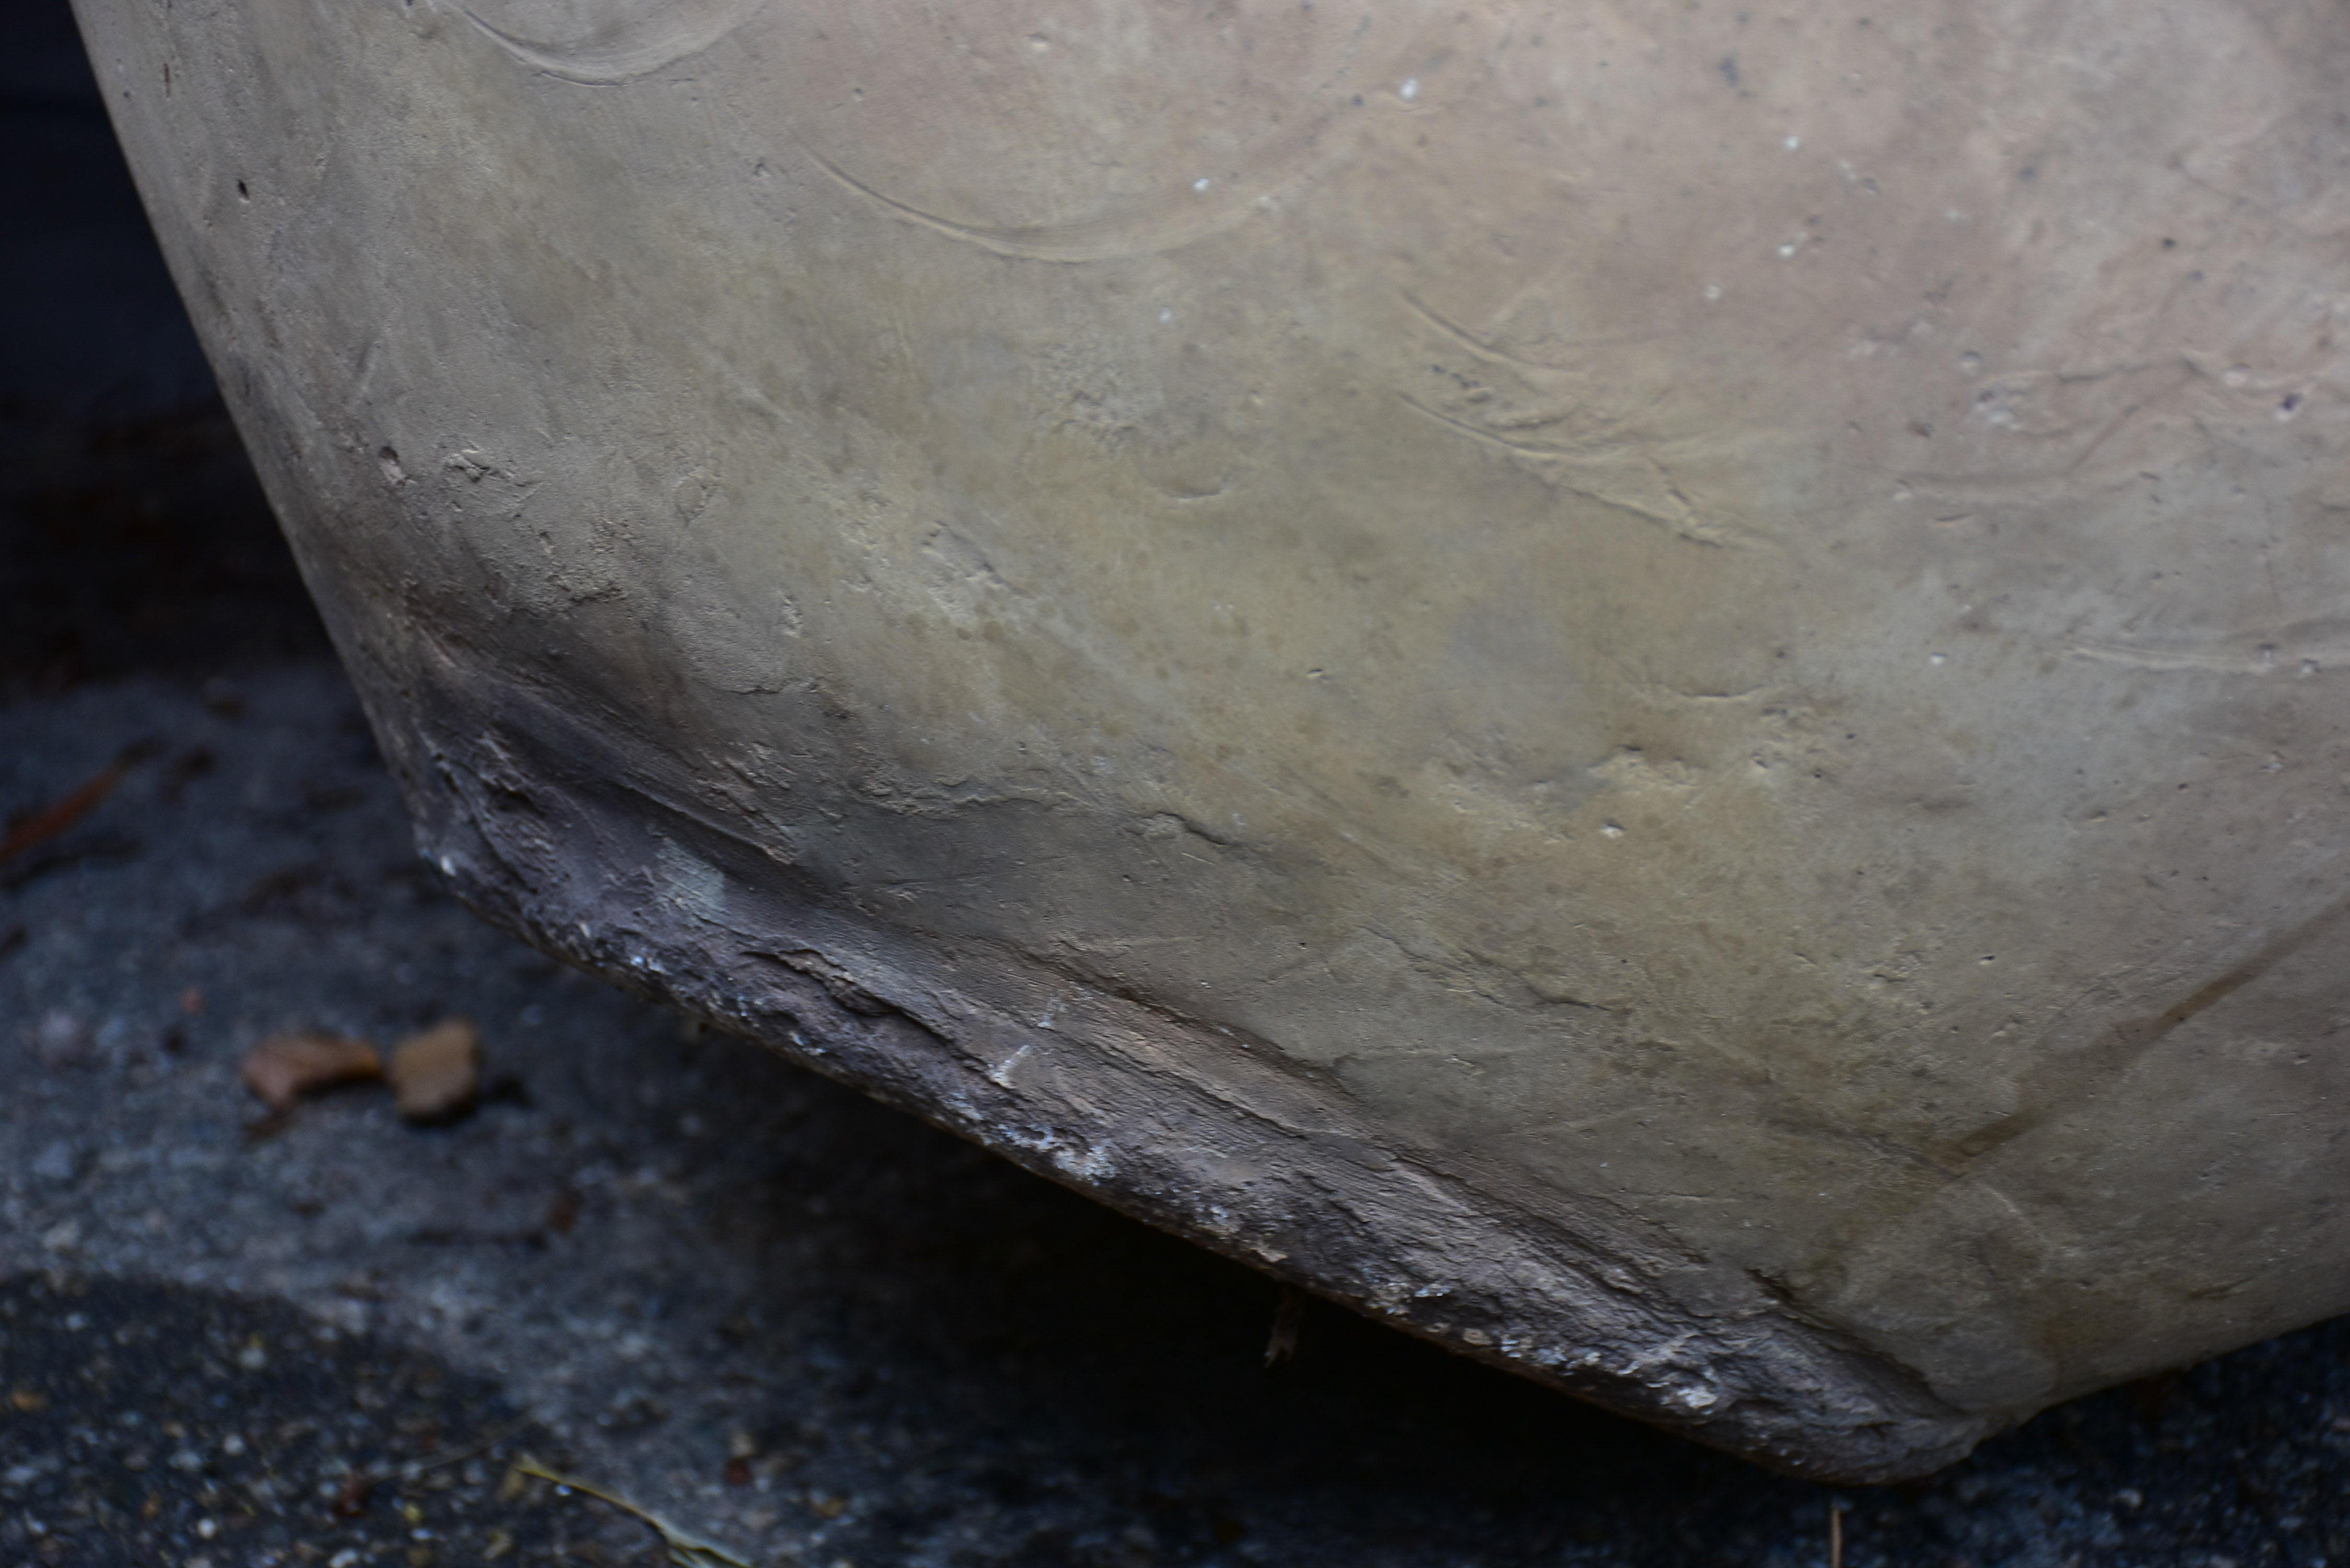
(1493, 350)
(1682, 522)
(625, 47)
(2123, 417)
(2016, 409)
(363, 378)
(1152, 226)
(2254, 654)
(2169, 658)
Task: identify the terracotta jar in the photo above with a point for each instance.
(1656, 688)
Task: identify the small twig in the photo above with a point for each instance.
(1835, 1535)
(448, 1457)
(685, 1551)
(40, 825)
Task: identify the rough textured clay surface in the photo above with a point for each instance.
(1656, 688)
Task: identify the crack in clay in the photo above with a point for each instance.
(2065, 1082)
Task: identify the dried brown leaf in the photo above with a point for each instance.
(285, 1067)
(437, 1075)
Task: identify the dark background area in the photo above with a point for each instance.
(881, 1347)
(135, 537)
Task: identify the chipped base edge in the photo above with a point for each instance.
(559, 835)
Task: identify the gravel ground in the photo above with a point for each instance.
(723, 1292)
(156, 1424)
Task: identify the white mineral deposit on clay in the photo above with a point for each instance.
(1410, 90)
